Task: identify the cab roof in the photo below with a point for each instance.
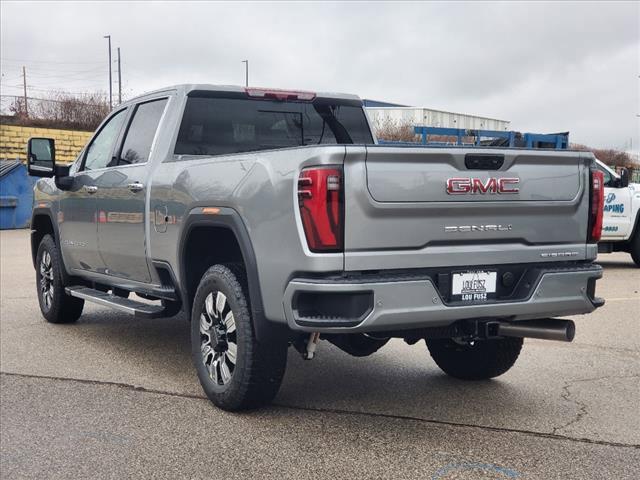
(186, 88)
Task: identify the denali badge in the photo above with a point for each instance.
(477, 228)
(460, 186)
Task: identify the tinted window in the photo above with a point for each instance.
(99, 152)
(214, 126)
(142, 130)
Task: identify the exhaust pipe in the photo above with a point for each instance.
(545, 329)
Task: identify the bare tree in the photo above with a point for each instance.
(390, 130)
(62, 110)
(609, 156)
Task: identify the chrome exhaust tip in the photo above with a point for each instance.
(544, 329)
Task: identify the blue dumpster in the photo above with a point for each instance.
(16, 195)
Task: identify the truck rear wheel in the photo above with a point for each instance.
(56, 306)
(235, 370)
(478, 360)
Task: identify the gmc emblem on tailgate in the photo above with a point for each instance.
(461, 186)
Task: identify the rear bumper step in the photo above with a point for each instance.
(403, 304)
(137, 309)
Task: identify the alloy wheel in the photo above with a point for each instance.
(46, 279)
(218, 338)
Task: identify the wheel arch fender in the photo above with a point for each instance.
(228, 219)
(42, 222)
(635, 226)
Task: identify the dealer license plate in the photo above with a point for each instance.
(474, 286)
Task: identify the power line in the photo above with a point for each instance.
(39, 99)
(46, 71)
(50, 61)
(67, 72)
(93, 89)
(53, 89)
(71, 77)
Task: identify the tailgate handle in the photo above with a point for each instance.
(483, 161)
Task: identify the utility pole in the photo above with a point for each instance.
(119, 79)
(110, 81)
(246, 72)
(24, 84)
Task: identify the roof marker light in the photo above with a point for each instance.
(281, 95)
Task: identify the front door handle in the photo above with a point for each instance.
(90, 189)
(135, 186)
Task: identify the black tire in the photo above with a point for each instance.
(56, 306)
(634, 246)
(259, 367)
(478, 361)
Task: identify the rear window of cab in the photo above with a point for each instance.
(218, 126)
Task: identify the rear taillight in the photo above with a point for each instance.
(596, 207)
(321, 208)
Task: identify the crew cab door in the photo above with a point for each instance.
(121, 202)
(77, 218)
(617, 221)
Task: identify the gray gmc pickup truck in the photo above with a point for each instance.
(273, 219)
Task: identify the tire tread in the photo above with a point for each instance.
(64, 308)
(259, 381)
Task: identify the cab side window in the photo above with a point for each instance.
(99, 152)
(141, 132)
(608, 179)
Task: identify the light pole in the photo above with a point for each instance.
(110, 82)
(246, 72)
(119, 79)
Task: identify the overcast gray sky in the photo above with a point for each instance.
(544, 66)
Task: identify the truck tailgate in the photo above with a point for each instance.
(400, 214)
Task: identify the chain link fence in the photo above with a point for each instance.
(82, 112)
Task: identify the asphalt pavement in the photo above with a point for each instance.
(115, 397)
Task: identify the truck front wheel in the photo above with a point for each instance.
(478, 360)
(235, 370)
(56, 306)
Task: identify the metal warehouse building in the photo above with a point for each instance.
(381, 112)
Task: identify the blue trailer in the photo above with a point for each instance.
(485, 138)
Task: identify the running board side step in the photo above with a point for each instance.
(137, 309)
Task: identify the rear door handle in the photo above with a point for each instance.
(135, 186)
(90, 189)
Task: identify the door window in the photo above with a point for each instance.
(607, 176)
(101, 147)
(141, 131)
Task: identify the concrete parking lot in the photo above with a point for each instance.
(111, 397)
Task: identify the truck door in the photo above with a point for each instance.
(617, 208)
(122, 199)
(77, 219)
